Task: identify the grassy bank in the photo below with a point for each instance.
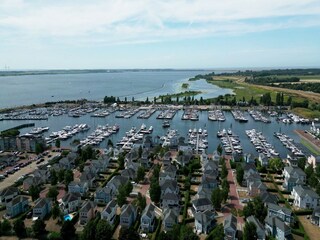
(308, 113)
(310, 147)
(181, 94)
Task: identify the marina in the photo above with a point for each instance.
(258, 116)
(239, 116)
(190, 114)
(289, 144)
(230, 142)
(216, 115)
(167, 114)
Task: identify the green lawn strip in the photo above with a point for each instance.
(309, 146)
(306, 112)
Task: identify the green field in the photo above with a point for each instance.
(308, 113)
(310, 147)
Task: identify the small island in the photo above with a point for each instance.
(185, 85)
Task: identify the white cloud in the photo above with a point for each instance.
(140, 21)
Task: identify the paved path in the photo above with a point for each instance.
(233, 194)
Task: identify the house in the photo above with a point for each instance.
(268, 197)
(170, 200)
(148, 219)
(293, 176)
(276, 228)
(65, 163)
(88, 177)
(109, 213)
(259, 227)
(283, 213)
(263, 159)
(144, 160)
(248, 158)
(18, 205)
(202, 204)
(236, 157)
(210, 167)
(42, 208)
(78, 187)
(87, 212)
(43, 174)
(103, 195)
(184, 159)
(204, 192)
(116, 182)
(315, 218)
(305, 197)
(168, 173)
(170, 218)
(31, 181)
(8, 194)
(314, 160)
(204, 221)
(70, 202)
(167, 159)
(169, 186)
(209, 181)
(230, 227)
(128, 215)
(256, 187)
(129, 173)
(216, 156)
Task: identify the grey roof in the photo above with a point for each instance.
(275, 221)
(106, 190)
(118, 180)
(149, 211)
(201, 202)
(129, 173)
(18, 199)
(41, 202)
(256, 222)
(87, 206)
(267, 197)
(70, 197)
(294, 171)
(169, 183)
(170, 196)
(277, 208)
(9, 191)
(127, 210)
(230, 222)
(170, 215)
(170, 168)
(112, 204)
(303, 191)
(204, 217)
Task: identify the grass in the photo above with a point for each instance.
(308, 113)
(181, 94)
(309, 146)
(185, 85)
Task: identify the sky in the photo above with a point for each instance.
(111, 34)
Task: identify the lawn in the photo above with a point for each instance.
(308, 113)
(309, 146)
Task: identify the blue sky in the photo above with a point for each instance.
(66, 34)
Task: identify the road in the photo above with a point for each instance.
(9, 181)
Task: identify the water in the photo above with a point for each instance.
(33, 89)
(57, 123)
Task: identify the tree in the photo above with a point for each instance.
(216, 198)
(250, 231)
(302, 163)
(224, 170)
(34, 192)
(6, 227)
(128, 188)
(19, 228)
(39, 148)
(225, 189)
(61, 175)
(276, 164)
(128, 234)
(140, 151)
(54, 236)
(219, 149)
(121, 158)
(260, 211)
(122, 196)
(58, 143)
(53, 177)
(39, 227)
(141, 202)
(140, 174)
(68, 177)
(103, 230)
(155, 191)
(89, 231)
(55, 211)
(110, 143)
(240, 174)
(186, 233)
(217, 233)
(53, 193)
(67, 230)
(248, 210)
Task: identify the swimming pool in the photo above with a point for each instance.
(68, 217)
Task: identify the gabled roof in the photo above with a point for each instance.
(204, 217)
(9, 191)
(267, 197)
(169, 169)
(169, 183)
(118, 180)
(170, 196)
(41, 202)
(275, 221)
(294, 171)
(304, 191)
(277, 208)
(105, 190)
(170, 216)
(87, 206)
(230, 222)
(112, 204)
(149, 211)
(127, 210)
(256, 222)
(18, 199)
(201, 202)
(70, 197)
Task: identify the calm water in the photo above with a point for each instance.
(26, 90)
(57, 123)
